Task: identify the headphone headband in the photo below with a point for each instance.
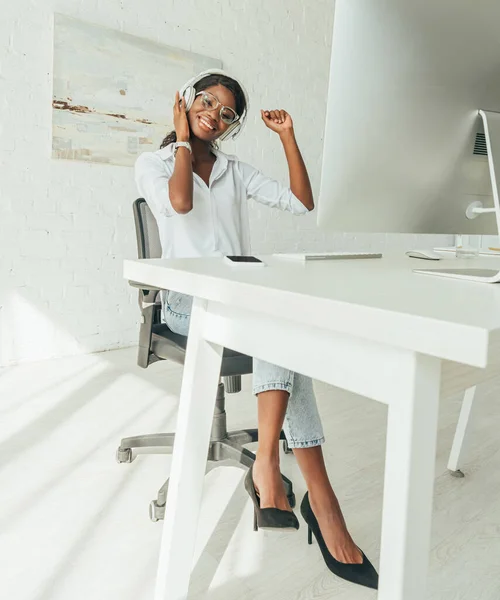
(187, 90)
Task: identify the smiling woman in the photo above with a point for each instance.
(198, 196)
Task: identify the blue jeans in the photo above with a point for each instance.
(302, 425)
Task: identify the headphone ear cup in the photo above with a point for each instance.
(189, 96)
(236, 132)
(231, 132)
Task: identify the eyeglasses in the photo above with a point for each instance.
(210, 102)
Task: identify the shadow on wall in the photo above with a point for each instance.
(75, 320)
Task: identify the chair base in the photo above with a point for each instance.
(224, 446)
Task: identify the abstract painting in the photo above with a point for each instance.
(113, 92)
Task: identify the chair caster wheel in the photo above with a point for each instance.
(286, 448)
(156, 512)
(124, 455)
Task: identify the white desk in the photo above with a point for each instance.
(372, 327)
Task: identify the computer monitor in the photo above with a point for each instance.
(405, 147)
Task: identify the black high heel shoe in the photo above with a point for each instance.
(269, 518)
(362, 574)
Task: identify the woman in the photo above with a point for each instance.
(198, 196)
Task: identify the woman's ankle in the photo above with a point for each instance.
(268, 483)
(268, 459)
(324, 501)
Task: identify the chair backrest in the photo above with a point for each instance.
(146, 230)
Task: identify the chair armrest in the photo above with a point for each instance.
(143, 286)
(150, 307)
(145, 333)
(148, 294)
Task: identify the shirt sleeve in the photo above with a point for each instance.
(152, 174)
(269, 191)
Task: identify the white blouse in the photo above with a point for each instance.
(218, 223)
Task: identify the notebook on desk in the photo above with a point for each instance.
(477, 275)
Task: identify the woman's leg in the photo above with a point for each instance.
(325, 506)
(285, 401)
(266, 471)
(304, 433)
(272, 385)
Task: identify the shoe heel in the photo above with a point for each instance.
(309, 535)
(268, 518)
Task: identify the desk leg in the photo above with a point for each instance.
(462, 434)
(192, 436)
(409, 478)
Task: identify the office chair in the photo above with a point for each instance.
(158, 342)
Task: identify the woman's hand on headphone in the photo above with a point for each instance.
(277, 120)
(181, 123)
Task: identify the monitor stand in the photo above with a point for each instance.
(491, 122)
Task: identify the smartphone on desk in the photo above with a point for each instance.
(244, 261)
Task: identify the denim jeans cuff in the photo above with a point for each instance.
(277, 385)
(308, 444)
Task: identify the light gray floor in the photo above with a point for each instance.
(74, 524)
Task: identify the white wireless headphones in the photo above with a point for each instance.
(188, 92)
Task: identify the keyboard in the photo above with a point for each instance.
(330, 255)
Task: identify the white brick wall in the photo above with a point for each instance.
(66, 227)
